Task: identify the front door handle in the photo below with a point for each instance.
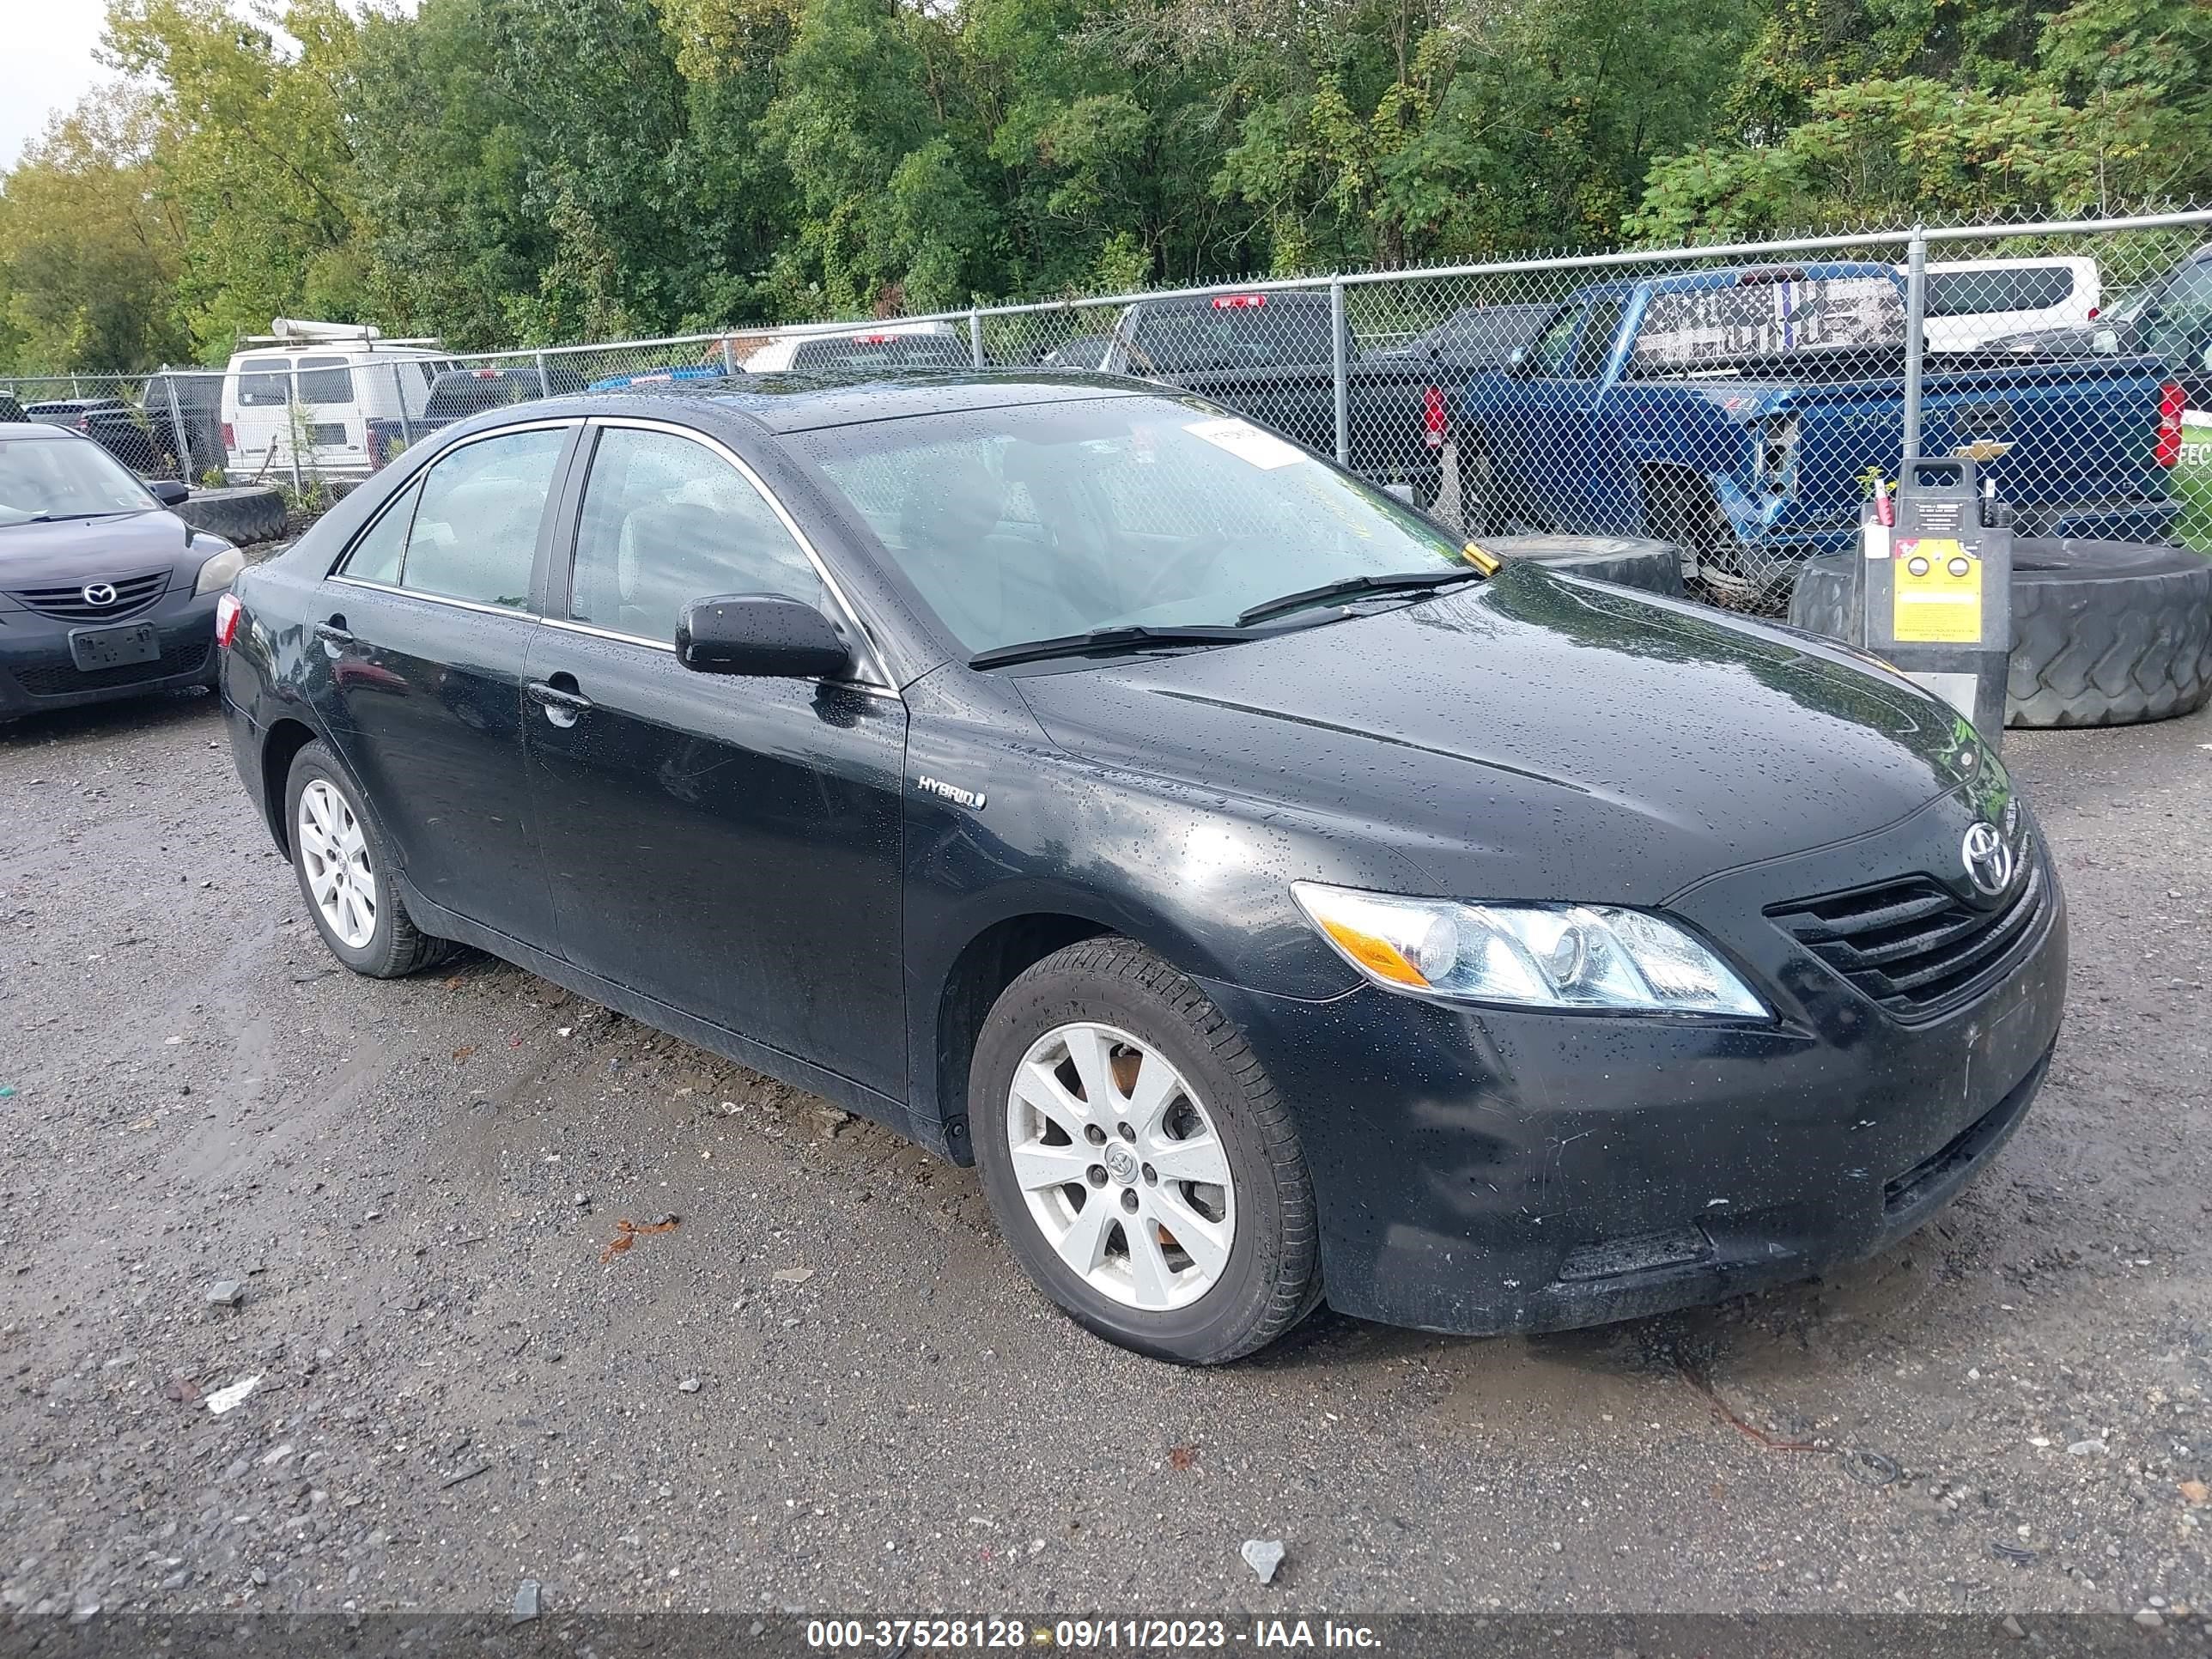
(334, 632)
(562, 706)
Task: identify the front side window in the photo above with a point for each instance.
(665, 521)
(324, 381)
(1017, 525)
(1548, 356)
(473, 532)
(1596, 344)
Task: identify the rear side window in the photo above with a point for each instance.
(1988, 293)
(666, 522)
(324, 381)
(265, 382)
(469, 527)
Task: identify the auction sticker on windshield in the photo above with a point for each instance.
(1248, 443)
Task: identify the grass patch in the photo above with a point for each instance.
(2192, 482)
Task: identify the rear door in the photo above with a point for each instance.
(424, 630)
(328, 419)
(727, 846)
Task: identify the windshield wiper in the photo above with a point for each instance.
(1128, 636)
(63, 517)
(1348, 588)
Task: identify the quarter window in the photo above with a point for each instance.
(666, 522)
(378, 555)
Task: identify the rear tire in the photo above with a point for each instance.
(342, 865)
(1206, 1248)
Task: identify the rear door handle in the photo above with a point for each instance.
(562, 708)
(330, 633)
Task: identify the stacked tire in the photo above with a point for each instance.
(1628, 561)
(2103, 633)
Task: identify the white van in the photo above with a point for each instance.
(1972, 302)
(339, 395)
(878, 346)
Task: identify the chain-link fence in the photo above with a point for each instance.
(1732, 400)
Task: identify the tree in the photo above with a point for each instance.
(89, 249)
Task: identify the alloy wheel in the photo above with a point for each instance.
(334, 856)
(1121, 1168)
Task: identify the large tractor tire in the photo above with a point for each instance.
(2103, 633)
(1633, 562)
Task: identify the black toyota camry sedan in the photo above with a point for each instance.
(104, 592)
(1277, 896)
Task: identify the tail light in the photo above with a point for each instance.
(2167, 452)
(1432, 417)
(227, 612)
(84, 423)
(229, 436)
(2095, 312)
(1239, 301)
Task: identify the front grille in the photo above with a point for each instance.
(1916, 947)
(59, 680)
(132, 595)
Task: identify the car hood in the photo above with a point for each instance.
(1534, 735)
(90, 550)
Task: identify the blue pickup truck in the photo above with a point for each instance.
(1737, 411)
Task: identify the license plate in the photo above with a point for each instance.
(95, 648)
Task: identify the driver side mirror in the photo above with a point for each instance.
(762, 634)
(169, 492)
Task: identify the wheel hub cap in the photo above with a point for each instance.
(1120, 1167)
(333, 851)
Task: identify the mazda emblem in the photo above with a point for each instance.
(1988, 858)
(99, 592)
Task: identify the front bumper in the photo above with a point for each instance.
(1482, 1170)
(37, 673)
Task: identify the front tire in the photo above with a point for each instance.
(1141, 1165)
(343, 867)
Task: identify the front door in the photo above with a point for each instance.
(422, 634)
(727, 845)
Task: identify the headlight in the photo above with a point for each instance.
(1564, 956)
(218, 572)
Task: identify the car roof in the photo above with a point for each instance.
(781, 402)
(38, 431)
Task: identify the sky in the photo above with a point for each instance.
(46, 65)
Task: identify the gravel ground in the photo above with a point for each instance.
(828, 1389)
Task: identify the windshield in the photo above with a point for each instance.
(1016, 525)
(65, 479)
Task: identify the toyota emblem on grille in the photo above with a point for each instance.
(99, 592)
(1989, 860)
